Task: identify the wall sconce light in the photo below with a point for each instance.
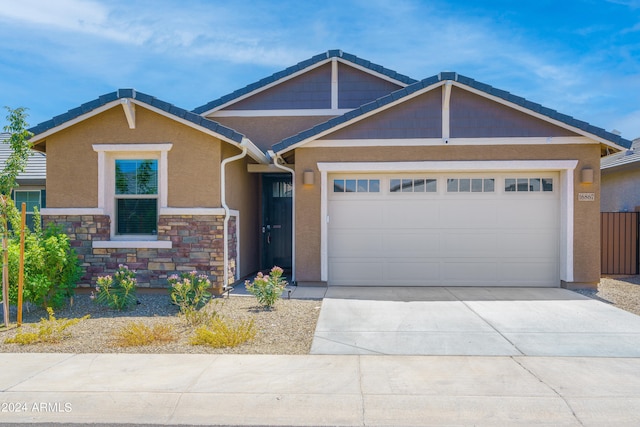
(308, 178)
(586, 176)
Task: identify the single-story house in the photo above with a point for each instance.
(620, 186)
(31, 182)
(344, 171)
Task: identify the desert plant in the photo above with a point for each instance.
(189, 290)
(138, 334)
(117, 291)
(49, 330)
(267, 289)
(219, 333)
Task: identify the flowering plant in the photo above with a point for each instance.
(189, 290)
(267, 289)
(119, 291)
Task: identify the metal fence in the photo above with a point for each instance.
(619, 242)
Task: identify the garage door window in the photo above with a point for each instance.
(356, 185)
(523, 185)
(413, 185)
(470, 185)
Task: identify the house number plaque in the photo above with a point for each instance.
(586, 197)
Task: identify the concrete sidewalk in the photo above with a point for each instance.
(318, 390)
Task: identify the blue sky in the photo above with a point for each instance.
(580, 57)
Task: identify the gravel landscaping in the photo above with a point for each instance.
(287, 329)
(620, 291)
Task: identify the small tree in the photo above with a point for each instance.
(15, 164)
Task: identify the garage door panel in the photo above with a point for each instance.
(465, 214)
(463, 272)
(400, 244)
(356, 214)
(414, 272)
(518, 213)
(356, 271)
(349, 242)
(538, 244)
(422, 213)
(469, 243)
(529, 272)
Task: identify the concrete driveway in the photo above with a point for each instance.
(472, 322)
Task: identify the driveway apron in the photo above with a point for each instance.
(478, 321)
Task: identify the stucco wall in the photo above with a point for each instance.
(586, 214)
(242, 190)
(72, 164)
(621, 189)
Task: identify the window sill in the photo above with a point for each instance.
(132, 244)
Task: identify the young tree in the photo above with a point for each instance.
(15, 164)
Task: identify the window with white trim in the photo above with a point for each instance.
(136, 196)
(132, 189)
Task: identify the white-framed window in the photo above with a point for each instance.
(132, 188)
(32, 199)
(136, 196)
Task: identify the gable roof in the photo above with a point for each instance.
(430, 83)
(122, 96)
(622, 158)
(298, 68)
(35, 172)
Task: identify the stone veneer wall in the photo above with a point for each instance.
(197, 242)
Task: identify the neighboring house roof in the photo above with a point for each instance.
(632, 155)
(462, 81)
(35, 172)
(299, 67)
(121, 96)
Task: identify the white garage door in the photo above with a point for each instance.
(467, 229)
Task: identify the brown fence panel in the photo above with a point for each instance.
(619, 242)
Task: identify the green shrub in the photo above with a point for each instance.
(117, 291)
(51, 266)
(138, 334)
(267, 289)
(189, 290)
(49, 330)
(219, 333)
(190, 293)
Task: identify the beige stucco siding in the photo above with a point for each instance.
(193, 161)
(242, 194)
(586, 214)
(621, 189)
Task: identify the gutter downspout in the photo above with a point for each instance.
(227, 213)
(276, 162)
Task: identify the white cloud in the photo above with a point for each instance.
(629, 125)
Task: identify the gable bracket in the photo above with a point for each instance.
(129, 112)
(446, 97)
